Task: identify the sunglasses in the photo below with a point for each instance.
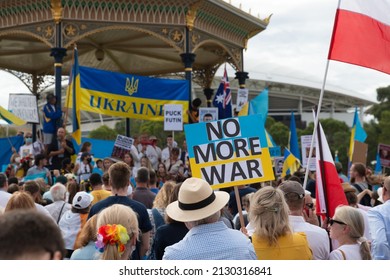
(332, 221)
(309, 205)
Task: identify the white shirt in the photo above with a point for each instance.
(352, 252)
(43, 210)
(26, 150)
(4, 197)
(316, 236)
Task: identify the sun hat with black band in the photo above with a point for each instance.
(196, 201)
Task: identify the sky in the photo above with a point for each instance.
(294, 47)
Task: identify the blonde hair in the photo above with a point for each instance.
(162, 198)
(87, 233)
(125, 216)
(354, 220)
(269, 214)
(20, 200)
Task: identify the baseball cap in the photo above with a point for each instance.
(292, 187)
(82, 200)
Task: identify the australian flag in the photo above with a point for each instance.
(223, 98)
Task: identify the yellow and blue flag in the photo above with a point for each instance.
(291, 163)
(74, 90)
(259, 105)
(293, 144)
(357, 133)
(11, 118)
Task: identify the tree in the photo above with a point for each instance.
(103, 133)
(383, 97)
(3, 131)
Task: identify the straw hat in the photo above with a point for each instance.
(196, 201)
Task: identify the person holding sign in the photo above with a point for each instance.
(50, 116)
(198, 206)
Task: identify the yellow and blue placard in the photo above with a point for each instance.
(130, 96)
(229, 152)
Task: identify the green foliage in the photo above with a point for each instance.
(383, 97)
(3, 131)
(279, 133)
(103, 133)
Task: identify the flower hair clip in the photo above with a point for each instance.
(112, 235)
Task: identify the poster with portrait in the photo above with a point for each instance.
(122, 146)
(305, 146)
(278, 164)
(208, 114)
(384, 154)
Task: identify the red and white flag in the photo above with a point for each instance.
(361, 34)
(331, 194)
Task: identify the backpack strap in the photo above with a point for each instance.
(59, 216)
(342, 253)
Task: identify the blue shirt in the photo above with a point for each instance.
(212, 242)
(379, 220)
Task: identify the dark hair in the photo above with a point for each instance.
(62, 179)
(339, 166)
(85, 146)
(12, 180)
(28, 232)
(13, 188)
(32, 187)
(95, 179)
(38, 159)
(84, 155)
(175, 150)
(106, 178)
(152, 178)
(351, 198)
(196, 102)
(73, 188)
(65, 162)
(3, 180)
(142, 175)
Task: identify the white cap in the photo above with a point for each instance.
(82, 200)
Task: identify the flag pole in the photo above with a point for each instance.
(322, 169)
(316, 119)
(319, 106)
(68, 91)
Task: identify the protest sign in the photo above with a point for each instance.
(207, 114)
(122, 146)
(305, 146)
(384, 154)
(24, 106)
(242, 98)
(173, 117)
(229, 152)
(278, 163)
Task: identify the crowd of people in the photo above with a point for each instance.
(146, 205)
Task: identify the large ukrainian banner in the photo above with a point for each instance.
(129, 96)
(229, 152)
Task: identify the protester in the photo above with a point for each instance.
(339, 168)
(97, 192)
(273, 238)
(142, 193)
(166, 152)
(27, 149)
(119, 176)
(317, 237)
(117, 232)
(162, 175)
(359, 182)
(83, 169)
(85, 242)
(59, 149)
(29, 235)
(20, 200)
(73, 220)
(169, 233)
(379, 221)
(208, 239)
(4, 195)
(51, 114)
(39, 169)
(174, 166)
(347, 227)
(59, 205)
(33, 189)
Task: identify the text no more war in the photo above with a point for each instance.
(228, 146)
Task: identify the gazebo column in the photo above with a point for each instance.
(241, 77)
(188, 59)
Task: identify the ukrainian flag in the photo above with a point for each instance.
(291, 163)
(11, 118)
(74, 90)
(293, 138)
(357, 133)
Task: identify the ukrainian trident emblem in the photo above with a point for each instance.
(131, 86)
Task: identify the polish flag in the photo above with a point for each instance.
(331, 194)
(361, 34)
